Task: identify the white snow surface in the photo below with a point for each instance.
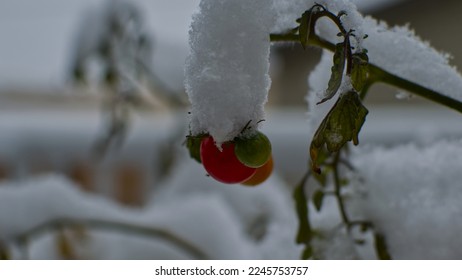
(227, 77)
(227, 70)
(396, 49)
(413, 195)
(222, 221)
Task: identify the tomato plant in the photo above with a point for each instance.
(223, 165)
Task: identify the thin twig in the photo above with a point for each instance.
(337, 191)
(149, 232)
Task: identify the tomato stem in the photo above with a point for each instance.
(378, 74)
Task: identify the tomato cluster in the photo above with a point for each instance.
(245, 160)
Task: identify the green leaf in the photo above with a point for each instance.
(305, 27)
(307, 253)
(193, 143)
(381, 247)
(341, 124)
(306, 24)
(359, 70)
(301, 205)
(336, 72)
(318, 198)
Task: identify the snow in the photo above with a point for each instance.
(396, 49)
(227, 77)
(223, 222)
(265, 213)
(317, 81)
(43, 33)
(411, 185)
(413, 196)
(199, 218)
(410, 192)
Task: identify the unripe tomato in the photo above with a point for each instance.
(223, 165)
(254, 151)
(261, 175)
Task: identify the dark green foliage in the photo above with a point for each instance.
(359, 70)
(336, 72)
(342, 124)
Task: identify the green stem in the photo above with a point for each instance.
(337, 192)
(380, 75)
(377, 74)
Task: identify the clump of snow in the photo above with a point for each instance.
(413, 197)
(227, 70)
(227, 78)
(318, 80)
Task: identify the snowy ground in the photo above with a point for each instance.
(411, 192)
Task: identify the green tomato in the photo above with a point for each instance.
(253, 151)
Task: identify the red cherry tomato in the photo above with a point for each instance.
(261, 175)
(223, 165)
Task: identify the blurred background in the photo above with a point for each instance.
(92, 91)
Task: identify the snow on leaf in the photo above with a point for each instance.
(342, 124)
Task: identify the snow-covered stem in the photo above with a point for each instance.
(378, 74)
(149, 232)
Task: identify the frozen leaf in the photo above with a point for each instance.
(359, 70)
(342, 124)
(318, 198)
(305, 27)
(336, 72)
